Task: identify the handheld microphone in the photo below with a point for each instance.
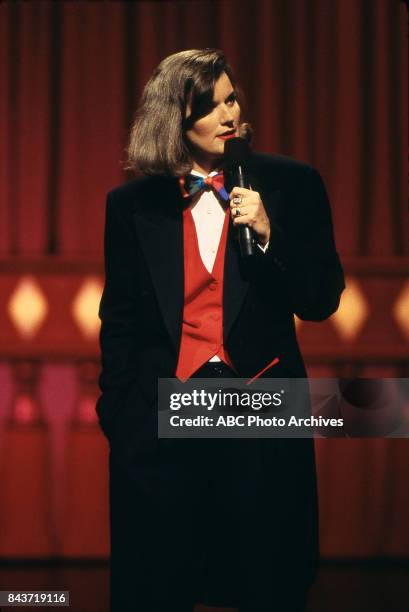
(236, 155)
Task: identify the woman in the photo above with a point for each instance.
(221, 522)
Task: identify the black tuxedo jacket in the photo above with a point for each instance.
(142, 304)
(141, 312)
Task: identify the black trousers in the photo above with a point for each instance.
(209, 578)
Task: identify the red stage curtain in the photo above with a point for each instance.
(325, 82)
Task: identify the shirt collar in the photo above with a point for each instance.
(197, 173)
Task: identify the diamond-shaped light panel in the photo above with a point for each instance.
(401, 309)
(85, 307)
(27, 307)
(352, 312)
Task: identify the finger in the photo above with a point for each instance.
(243, 211)
(239, 191)
(242, 219)
(250, 201)
(236, 211)
(236, 201)
(240, 202)
(244, 191)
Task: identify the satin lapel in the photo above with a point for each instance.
(159, 226)
(235, 285)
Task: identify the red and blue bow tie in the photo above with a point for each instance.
(192, 184)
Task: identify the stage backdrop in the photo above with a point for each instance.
(325, 82)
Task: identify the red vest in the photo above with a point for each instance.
(202, 329)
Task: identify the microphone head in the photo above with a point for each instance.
(236, 152)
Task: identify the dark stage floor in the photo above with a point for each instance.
(381, 586)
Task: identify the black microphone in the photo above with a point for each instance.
(236, 155)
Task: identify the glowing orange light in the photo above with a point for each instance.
(27, 307)
(352, 312)
(85, 307)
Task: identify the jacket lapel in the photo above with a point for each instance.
(236, 271)
(235, 278)
(159, 225)
(235, 285)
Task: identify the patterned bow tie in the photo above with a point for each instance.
(192, 184)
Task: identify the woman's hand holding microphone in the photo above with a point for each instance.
(246, 208)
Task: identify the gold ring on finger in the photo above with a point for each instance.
(237, 212)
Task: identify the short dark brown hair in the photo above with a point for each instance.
(157, 144)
